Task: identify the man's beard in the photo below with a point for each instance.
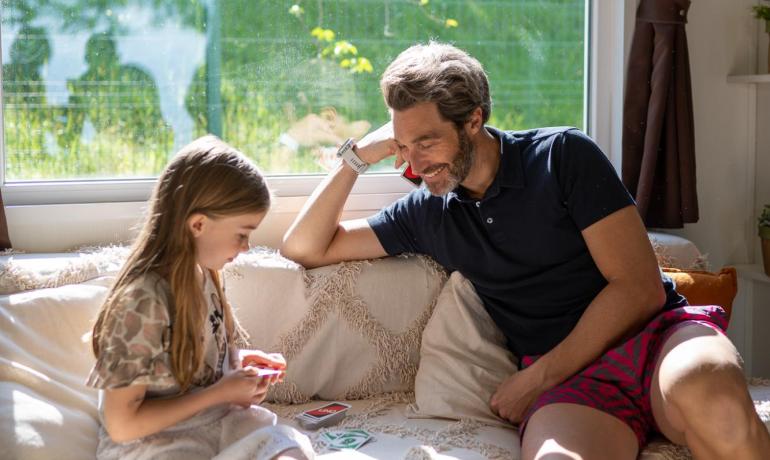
(459, 168)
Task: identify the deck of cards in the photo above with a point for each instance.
(326, 415)
(345, 439)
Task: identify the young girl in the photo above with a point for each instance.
(165, 338)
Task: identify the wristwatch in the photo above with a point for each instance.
(347, 153)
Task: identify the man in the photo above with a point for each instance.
(539, 222)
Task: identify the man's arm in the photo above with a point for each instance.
(621, 250)
(317, 237)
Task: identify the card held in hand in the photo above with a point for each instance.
(247, 360)
(410, 176)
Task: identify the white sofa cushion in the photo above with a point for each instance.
(463, 359)
(44, 358)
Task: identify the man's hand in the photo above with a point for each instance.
(517, 393)
(379, 144)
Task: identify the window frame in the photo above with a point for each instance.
(607, 24)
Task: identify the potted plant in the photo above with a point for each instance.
(764, 234)
(763, 12)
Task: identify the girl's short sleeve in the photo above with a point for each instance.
(135, 342)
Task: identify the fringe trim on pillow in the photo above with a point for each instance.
(665, 259)
(421, 453)
(93, 262)
(666, 451)
(14, 277)
(336, 292)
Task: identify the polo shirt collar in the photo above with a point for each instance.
(510, 171)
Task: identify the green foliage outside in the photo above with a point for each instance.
(280, 61)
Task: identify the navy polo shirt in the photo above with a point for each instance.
(520, 245)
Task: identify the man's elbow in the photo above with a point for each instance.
(648, 295)
(297, 254)
(289, 251)
(655, 296)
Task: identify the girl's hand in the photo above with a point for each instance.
(243, 387)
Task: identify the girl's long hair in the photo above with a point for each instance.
(209, 177)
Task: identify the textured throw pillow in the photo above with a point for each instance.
(675, 251)
(348, 331)
(48, 412)
(706, 288)
(463, 359)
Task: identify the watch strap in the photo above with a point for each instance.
(347, 153)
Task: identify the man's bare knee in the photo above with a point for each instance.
(714, 403)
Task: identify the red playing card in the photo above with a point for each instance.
(409, 175)
(327, 410)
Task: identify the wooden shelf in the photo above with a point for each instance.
(759, 78)
(755, 272)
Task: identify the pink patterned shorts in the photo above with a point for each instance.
(618, 383)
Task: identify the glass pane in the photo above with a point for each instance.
(112, 88)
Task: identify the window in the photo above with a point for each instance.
(109, 90)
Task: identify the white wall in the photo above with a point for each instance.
(723, 39)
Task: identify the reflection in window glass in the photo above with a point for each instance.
(112, 88)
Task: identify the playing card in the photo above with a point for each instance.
(252, 357)
(264, 371)
(247, 361)
(346, 439)
(410, 176)
(327, 410)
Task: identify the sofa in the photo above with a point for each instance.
(405, 343)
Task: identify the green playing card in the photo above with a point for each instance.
(346, 439)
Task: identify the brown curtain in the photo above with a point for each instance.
(658, 139)
(5, 240)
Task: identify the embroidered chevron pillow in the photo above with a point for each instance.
(348, 331)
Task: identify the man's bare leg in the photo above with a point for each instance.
(700, 397)
(573, 431)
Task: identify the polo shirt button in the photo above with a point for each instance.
(490, 220)
(478, 204)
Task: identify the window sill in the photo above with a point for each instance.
(116, 191)
(37, 225)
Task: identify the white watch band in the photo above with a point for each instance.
(347, 153)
